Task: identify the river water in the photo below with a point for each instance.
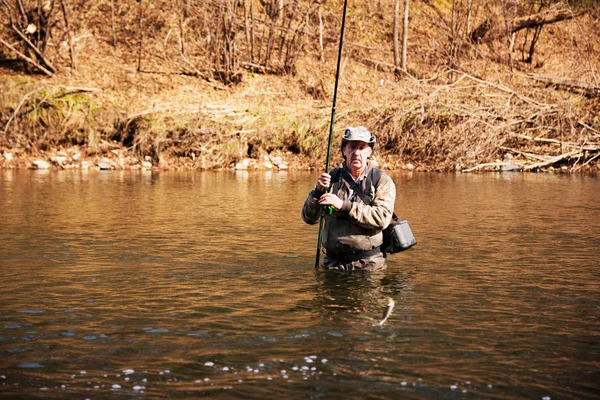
(201, 284)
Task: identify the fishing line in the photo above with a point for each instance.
(337, 76)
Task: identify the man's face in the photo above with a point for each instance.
(356, 154)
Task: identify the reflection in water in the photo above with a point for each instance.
(359, 295)
(201, 284)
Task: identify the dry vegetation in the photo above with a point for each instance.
(211, 84)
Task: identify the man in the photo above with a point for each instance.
(362, 200)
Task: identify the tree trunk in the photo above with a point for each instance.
(69, 36)
(405, 34)
(181, 32)
(321, 51)
(112, 22)
(469, 13)
(247, 28)
(280, 11)
(141, 33)
(396, 29)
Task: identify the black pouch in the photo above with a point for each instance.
(397, 237)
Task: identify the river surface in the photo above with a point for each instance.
(201, 284)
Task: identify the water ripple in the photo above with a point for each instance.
(145, 285)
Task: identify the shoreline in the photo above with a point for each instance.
(119, 159)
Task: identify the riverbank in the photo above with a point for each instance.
(482, 107)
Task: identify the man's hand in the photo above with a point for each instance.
(330, 199)
(323, 182)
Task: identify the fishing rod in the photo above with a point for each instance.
(337, 76)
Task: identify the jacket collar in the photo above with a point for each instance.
(363, 175)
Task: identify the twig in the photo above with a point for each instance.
(504, 89)
(591, 147)
(523, 153)
(586, 163)
(198, 73)
(29, 60)
(77, 89)
(8, 10)
(206, 80)
(19, 107)
(68, 90)
(22, 10)
(594, 131)
(589, 51)
(35, 49)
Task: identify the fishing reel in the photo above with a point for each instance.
(328, 210)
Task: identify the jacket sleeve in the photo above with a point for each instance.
(311, 210)
(378, 215)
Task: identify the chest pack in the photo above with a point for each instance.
(397, 236)
(362, 189)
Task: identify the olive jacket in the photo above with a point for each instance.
(358, 226)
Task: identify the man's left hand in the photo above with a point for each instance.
(330, 199)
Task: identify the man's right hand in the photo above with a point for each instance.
(323, 182)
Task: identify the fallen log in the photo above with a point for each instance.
(492, 28)
(556, 13)
(553, 160)
(570, 84)
(495, 166)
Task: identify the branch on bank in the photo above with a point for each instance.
(66, 90)
(35, 49)
(570, 84)
(548, 162)
(585, 151)
(586, 163)
(495, 166)
(553, 160)
(27, 59)
(586, 147)
(492, 29)
(556, 13)
(592, 130)
(525, 154)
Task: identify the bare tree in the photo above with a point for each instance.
(112, 23)
(405, 34)
(68, 32)
(321, 51)
(400, 57)
(141, 33)
(395, 34)
(469, 16)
